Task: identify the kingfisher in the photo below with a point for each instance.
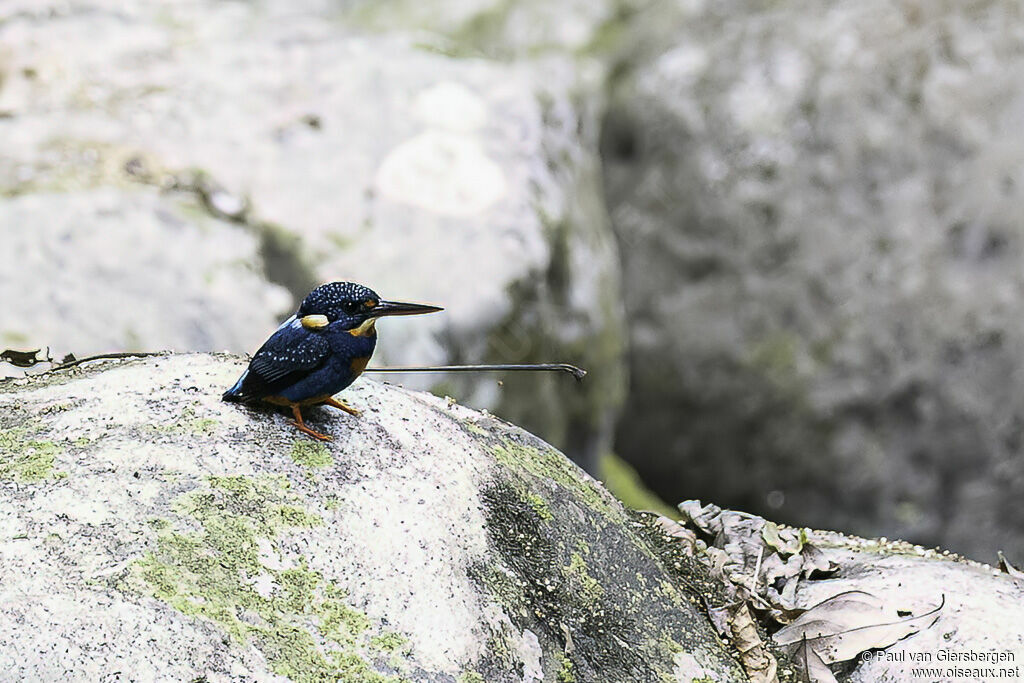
(318, 351)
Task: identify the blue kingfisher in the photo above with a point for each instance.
(318, 351)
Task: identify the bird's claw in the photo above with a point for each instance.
(341, 405)
(312, 432)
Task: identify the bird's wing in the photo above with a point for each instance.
(290, 355)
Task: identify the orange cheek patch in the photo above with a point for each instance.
(314, 322)
(366, 329)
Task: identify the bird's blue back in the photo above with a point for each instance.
(300, 364)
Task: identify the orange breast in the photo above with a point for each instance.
(282, 401)
(358, 365)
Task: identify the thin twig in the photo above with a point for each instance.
(104, 356)
(578, 373)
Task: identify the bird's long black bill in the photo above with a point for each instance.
(402, 308)
(577, 373)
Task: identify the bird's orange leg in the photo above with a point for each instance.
(341, 405)
(301, 426)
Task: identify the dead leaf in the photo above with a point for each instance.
(741, 539)
(717, 561)
(843, 626)
(1005, 566)
(783, 597)
(720, 620)
(24, 359)
(815, 560)
(675, 530)
(759, 664)
(706, 518)
(776, 568)
(811, 668)
(785, 541)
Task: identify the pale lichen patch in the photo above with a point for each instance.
(581, 582)
(539, 505)
(295, 616)
(311, 454)
(565, 672)
(552, 465)
(26, 460)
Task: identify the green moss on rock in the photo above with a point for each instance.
(233, 572)
(539, 505)
(24, 459)
(565, 674)
(542, 461)
(311, 453)
(203, 425)
(389, 642)
(586, 607)
(585, 585)
(555, 594)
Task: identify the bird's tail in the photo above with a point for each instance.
(235, 393)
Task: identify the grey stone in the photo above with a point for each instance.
(349, 155)
(149, 531)
(109, 269)
(980, 609)
(818, 208)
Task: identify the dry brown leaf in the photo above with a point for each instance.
(1005, 566)
(843, 626)
(717, 561)
(811, 668)
(781, 579)
(784, 616)
(741, 539)
(785, 541)
(673, 529)
(706, 518)
(776, 568)
(814, 560)
(784, 598)
(720, 620)
(759, 664)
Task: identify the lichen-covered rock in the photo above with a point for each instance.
(147, 528)
(344, 154)
(818, 210)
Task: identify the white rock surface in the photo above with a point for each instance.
(149, 531)
(95, 271)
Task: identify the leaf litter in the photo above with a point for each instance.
(761, 566)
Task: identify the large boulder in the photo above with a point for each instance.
(104, 269)
(818, 208)
(308, 147)
(150, 531)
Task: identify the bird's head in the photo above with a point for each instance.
(354, 307)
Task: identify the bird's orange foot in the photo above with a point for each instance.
(341, 405)
(301, 426)
(312, 432)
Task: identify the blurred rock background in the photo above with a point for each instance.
(784, 237)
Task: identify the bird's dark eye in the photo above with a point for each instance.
(350, 307)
